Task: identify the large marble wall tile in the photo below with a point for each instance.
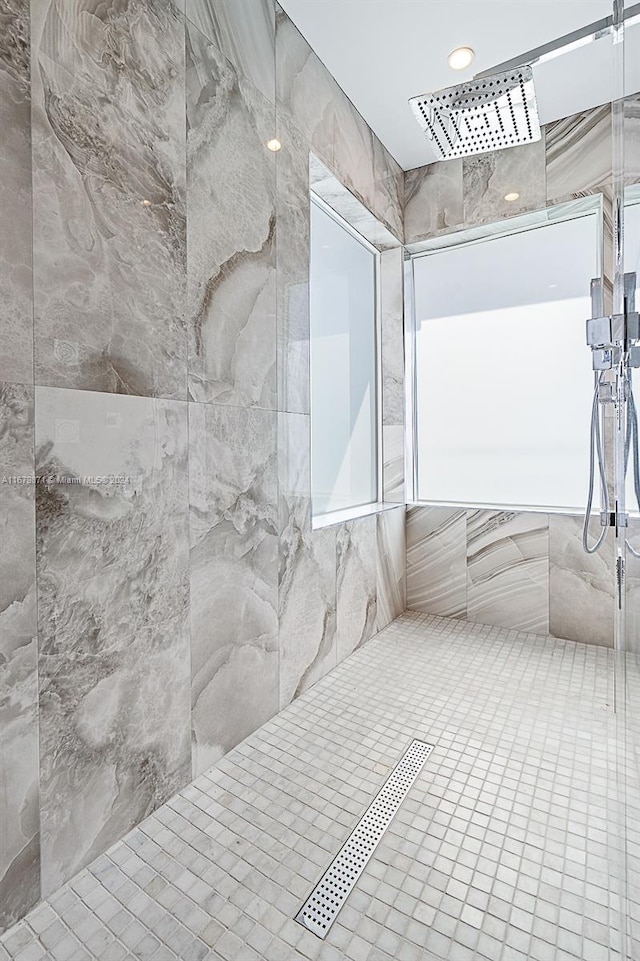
(393, 464)
(307, 568)
(356, 584)
(16, 289)
(234, 589)
(432, 199)
(392, 347)
(244, 31)
(578, 153)
(231, 292)
(488, 178)
(19, 816)
(388, 189)
(109, 196)
(508, 570)
(293, 218)
(112, 569)
(307, 599)
(365, 166)
(581, 585)
(391, 566)
(306, 93)
(294, 459)
(436, 561)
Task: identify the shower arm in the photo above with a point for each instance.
(562, 45)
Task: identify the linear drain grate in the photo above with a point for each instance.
(332, 890)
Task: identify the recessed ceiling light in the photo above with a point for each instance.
(274, 144)
(460, 58)
(511, 197)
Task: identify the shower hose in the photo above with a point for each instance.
(596, 455)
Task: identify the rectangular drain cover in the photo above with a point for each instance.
(332, 890)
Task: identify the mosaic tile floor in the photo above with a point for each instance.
(502, 850)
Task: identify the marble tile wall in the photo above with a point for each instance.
(108, 128)
(183, 595)
(16, 295)
(113, 617)
(508, 570)
(19, 801)
(572, 159)
(436, 561)
(513, 569)
(234, 587)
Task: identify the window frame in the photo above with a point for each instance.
(463, 237)
(357, 510)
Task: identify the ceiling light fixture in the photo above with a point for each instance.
(511, 197)
(460, 58)
(274, 144)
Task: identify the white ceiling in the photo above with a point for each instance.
(382, 52)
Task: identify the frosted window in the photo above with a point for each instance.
(343, 367)
(503, 373)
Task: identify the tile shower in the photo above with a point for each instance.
(163, 591)
(164, 595)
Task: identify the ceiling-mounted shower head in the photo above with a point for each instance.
(484, 114)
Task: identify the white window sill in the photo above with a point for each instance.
(351, 514)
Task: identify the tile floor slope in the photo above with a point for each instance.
(500, 851)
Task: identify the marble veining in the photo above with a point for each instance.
(578, 154)
(306, 93)
(327, 186)
(436, 561)
(307, 599)
(112, 568)
(19, 816)
(433, 200)
(393, 464)
(508, 569)
(293, 219)
(391, 581)
(231, 293)
(109, 196)
(244, 31)
(356, 585)
(488, 178)
(392, 336)
(16, 293)
(307, 568)
(581, 585)
(234, 588)
(365, 167)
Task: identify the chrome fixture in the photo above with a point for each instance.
(615, 351)
(480, 115)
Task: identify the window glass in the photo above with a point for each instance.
(503, 374)
(343, 367)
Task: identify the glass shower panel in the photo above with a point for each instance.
(629, 646)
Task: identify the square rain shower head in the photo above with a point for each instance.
(489, 113)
